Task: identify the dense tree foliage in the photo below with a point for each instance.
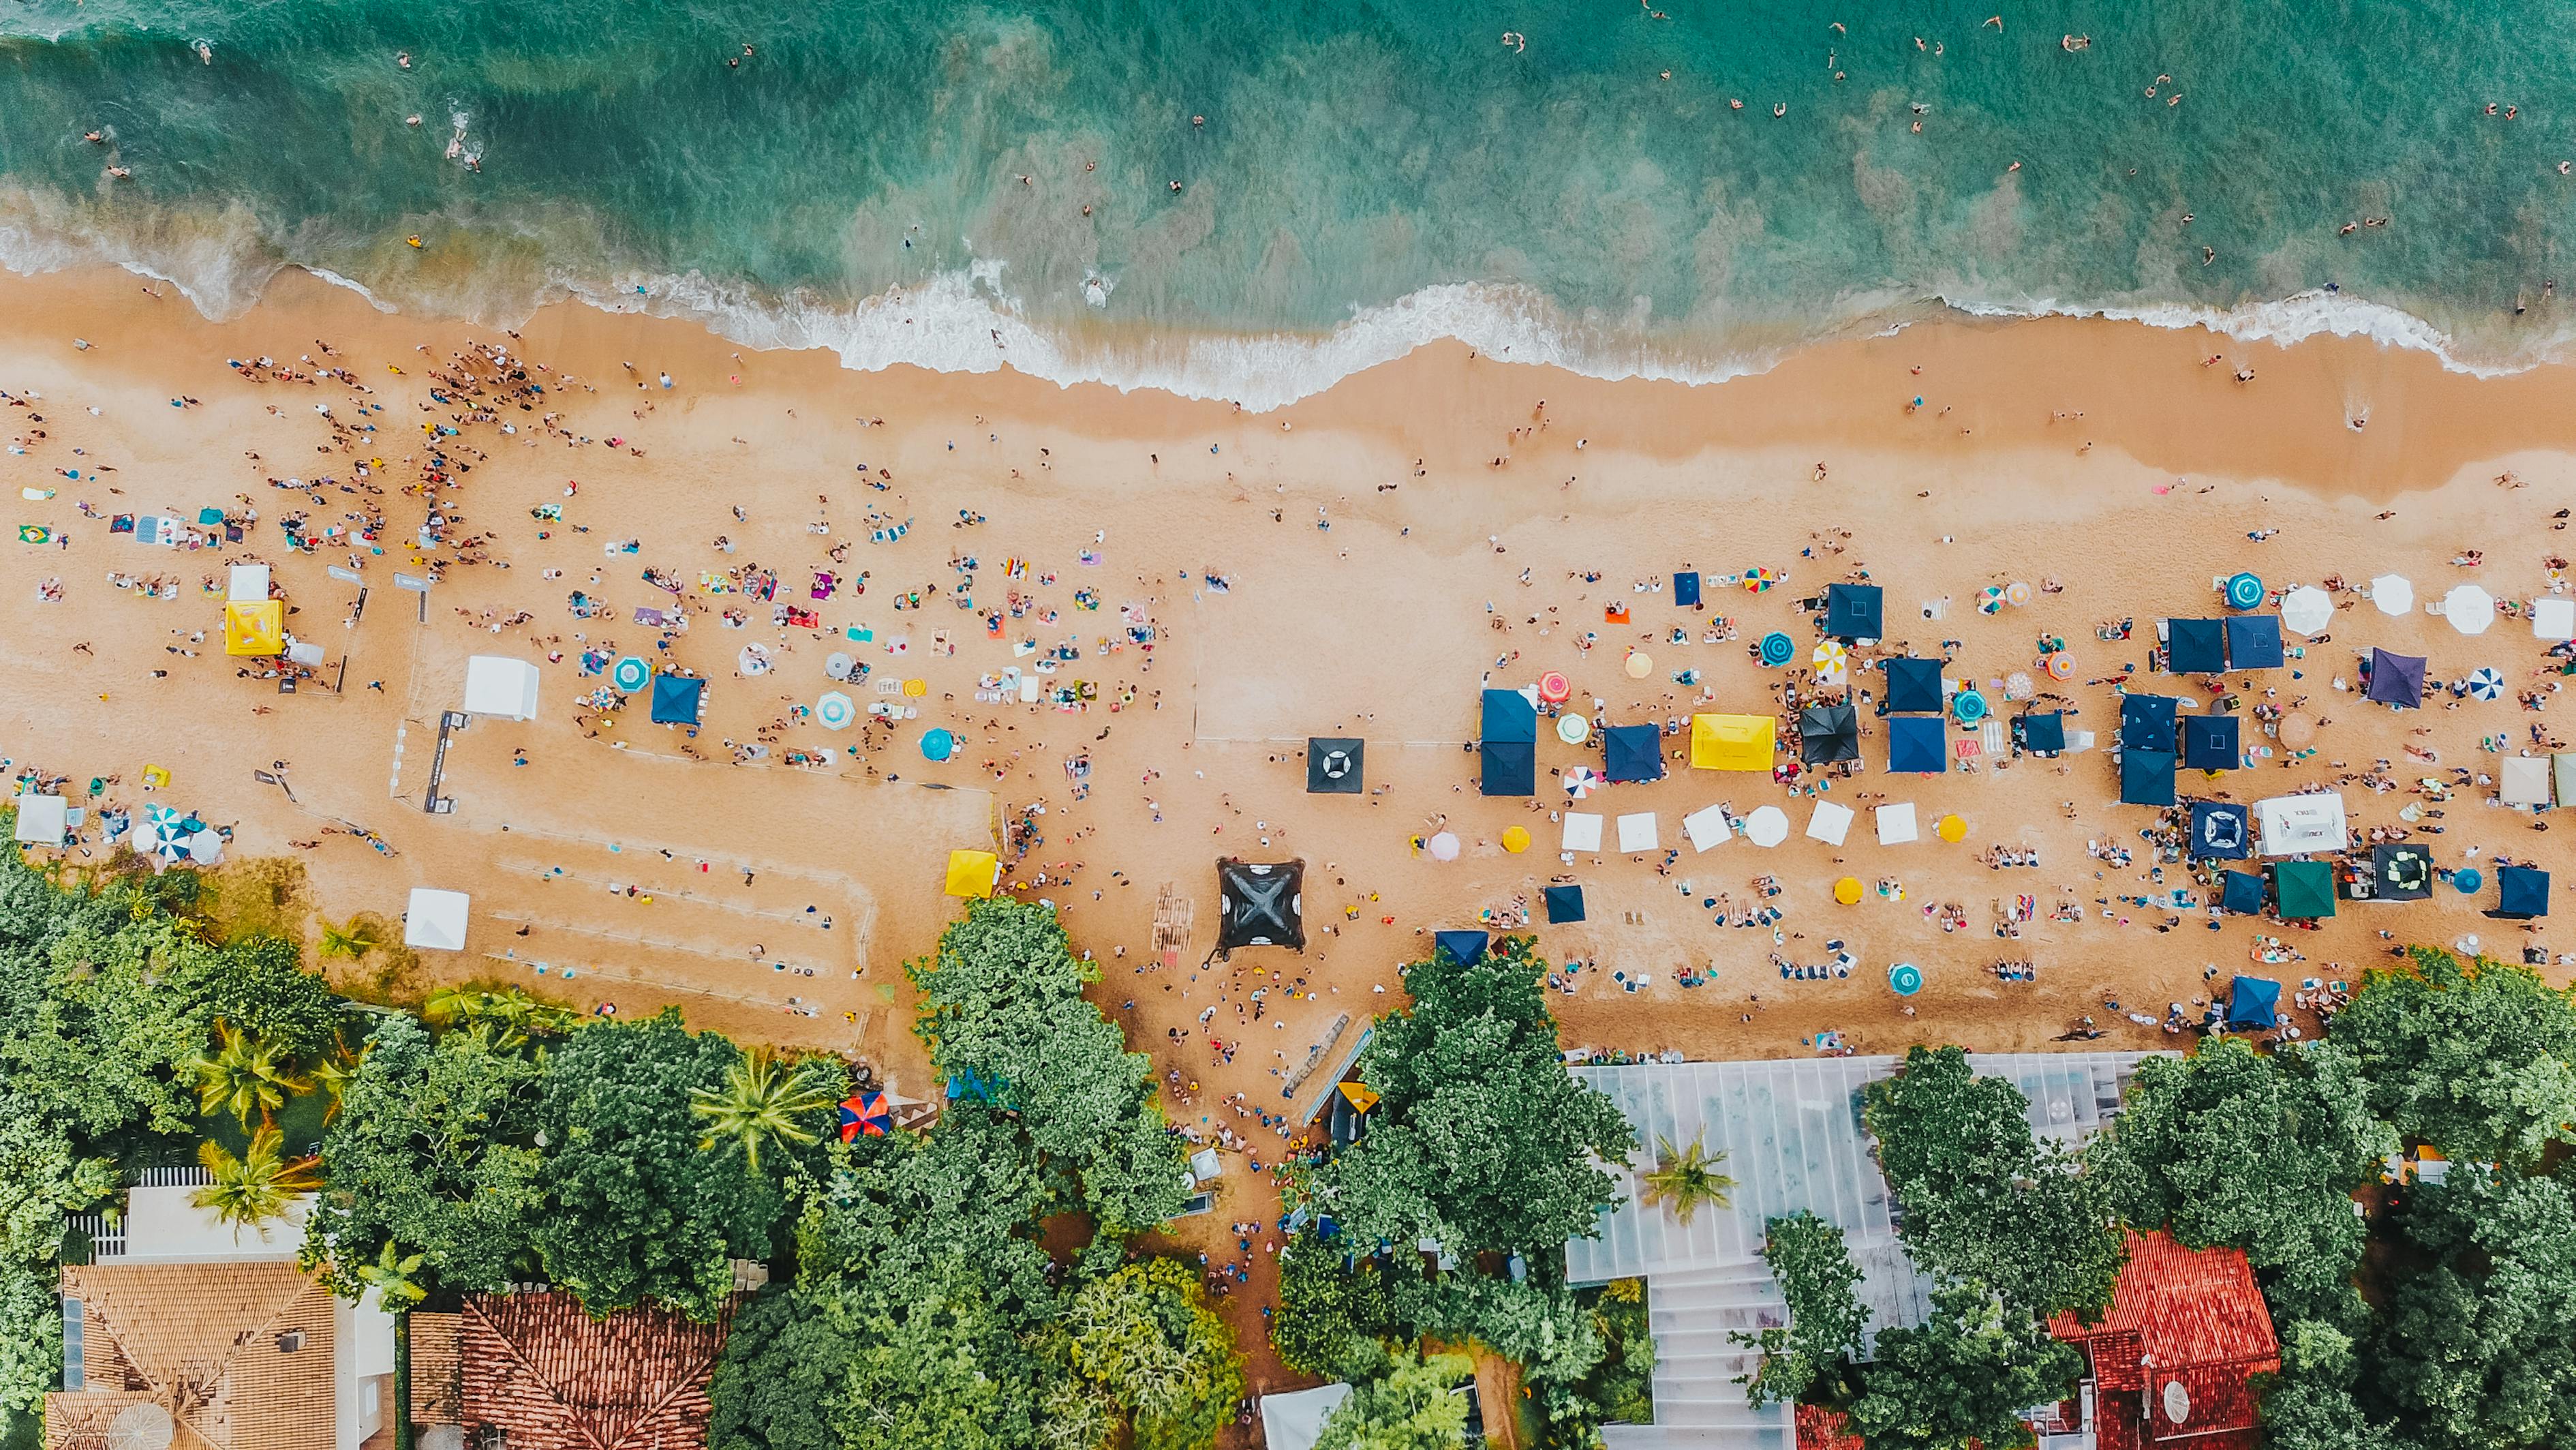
(1964, 1377)
(1983, 1201)
(1481, 1139)
(1333, 1313)
(1145, 1338)
(2479, 1347)
(2477, 1059)
(1410, 1403)
(41, 1179)
(1807, 1257)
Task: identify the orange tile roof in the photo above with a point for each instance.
(201, 1341)
(553, 1378)
(2181, 1320)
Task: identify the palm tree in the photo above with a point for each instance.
(350, 939)
(765, 1100)
(390, 1275)
(332, 1075)
(244, 1076)
(1686, 1178)
(254, 1187)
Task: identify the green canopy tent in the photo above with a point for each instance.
(2304, 888)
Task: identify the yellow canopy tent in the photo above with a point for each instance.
(255, 627)
(973, 874)
(1362, 1096)
(1732, 742)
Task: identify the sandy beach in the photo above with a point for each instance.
(1361, 564)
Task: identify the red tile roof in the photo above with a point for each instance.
(553, 1378)
(2185, 1330)
(1823, 1429)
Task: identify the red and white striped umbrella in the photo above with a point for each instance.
(1580, 780)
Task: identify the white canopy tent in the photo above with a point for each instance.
(2523, 780)
(500, 685)
(436, 919)
(1294, 1419)
(41, 819)
(1896, 824)
(246, 584)
(1830, 823)
(2294, 824)
(2553, 619)
(1582, 832)
(1637, 831)
(1707, 827)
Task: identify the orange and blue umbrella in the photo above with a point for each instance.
(865, 1113)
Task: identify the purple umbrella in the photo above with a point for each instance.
(2396, 679)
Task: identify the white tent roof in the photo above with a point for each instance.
(2292, 824)
(2553, 619)
(1637, 831)
(246, 583)
(1294, 1420)
(2523, 780)
(1896, 824)
(1707, 827)
(500, 685)
(40, 820)
(436, 920)
(1830, 823)
(1582, 831)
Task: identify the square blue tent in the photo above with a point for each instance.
(2254, 642)
(2146, 722)
(1855, 611)
(2254, 1002)
(2521, 893)
(2396, 680)
(2219, 832)
(1686, 588)
(2241, 892)
(1510, 768)
(1913, 687)
(675, 699)
(1632, 752)
(2043, 731)
(1466, 948)
(2209, 742)
(2195, 646)
(1915, 743)
(1564, 905)
(2146, 777)
(1510, 717)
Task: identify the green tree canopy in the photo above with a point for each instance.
(1982, 1201)
(1332, 1313)
(1409, 1403)
(2478, 1347)
(632, 1209)
(433, 1153)
(41, 1179)
(1964, 1376)
(1146, 1337)
(1481, 1138)
(2477, 1060)
(1808, 1258)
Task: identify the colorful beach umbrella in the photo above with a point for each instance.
(1573, 729)
(2486, 684)
(1778, 649)
(1516, 839)
(1580, 780)
(1759, 580)
(2017, 593)
(835, 711)
(1905, 979)
(1554, 688)
(1990, 600)
(2061, 666)
(1847, 891)
(938, 745)
(1832, 662)
(865, 1113)
(1639, 664)
(631, 674)
(2017, 685)
(2244, 591)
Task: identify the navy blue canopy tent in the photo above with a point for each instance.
(1915, 744)
(2219, 832)
(2241, 892)
(2209, 742)
(1632, 752)
(2254, 1002)
(2521, 893)
(1510, 744)
(2043, 731)
(2254, 642)
(675, 699)
(2146, 777)
(2195, 646)
(1855, 611)
(2146, 722)
(1686, 588)
(1333, 765)
(1828, 734)
(1564, 904)
(1913, 687)
(1466, 948)
(2396, 679)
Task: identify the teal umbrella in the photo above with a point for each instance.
(630, 674)
(1905, 979)
(1969, 706)
(2244, 591)
(1778, 649)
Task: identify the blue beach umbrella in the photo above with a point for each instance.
(2244, 591)
(2467, 880)
(1905, 979)
(1778, 649)
(938, 745)
(630, 674)
(1969, 706)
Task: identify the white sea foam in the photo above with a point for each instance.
(2292, 319)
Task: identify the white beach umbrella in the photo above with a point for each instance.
(1443, 847)
(2307, 610)
(2393, 593)
(2470, 609)
(1767, 826)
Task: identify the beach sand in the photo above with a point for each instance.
(777, 901)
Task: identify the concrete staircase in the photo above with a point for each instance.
(1697, 1401)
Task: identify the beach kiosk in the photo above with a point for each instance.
(254, 629)
(1466, 948)
(2523, 781)
(2254, 642)
(1917, 744)
(1632, 752)
(2521, 893)
(677, 698)
(1260, 904)
(2303, 890)
(42, 820)
(2195, 646)
(2147, 722)
(1732, 742)
(500, 685)
(2209, 742)
(2240, 893)
(436, 920)
(2396, 680)
(2254, 1004)
(1913, 687)
(2146, 777)
(2220, 831)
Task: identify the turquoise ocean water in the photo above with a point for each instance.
(1356, 178)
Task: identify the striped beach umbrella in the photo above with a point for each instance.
(835, 711)
(1905, 979)
(2486, 684)
(1778, 649)
(1832, 662)
(1580, 780)
(630, 674)
(2244, 591)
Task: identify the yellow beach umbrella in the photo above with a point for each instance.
(255, 627)
(1515, 840)
(1951, 829)
(1639, 664)
(1847, 891)
(916, 688)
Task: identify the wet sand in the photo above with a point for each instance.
(2101, 455)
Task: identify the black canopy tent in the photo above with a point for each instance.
(1333, 765)
(1828, 734)
(1260, 904)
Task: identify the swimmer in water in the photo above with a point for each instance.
(1734, 105)
(99, 138)
(205, 52)
(1779, 110)
(119, 172)
(403, 58)
(2208, 255)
